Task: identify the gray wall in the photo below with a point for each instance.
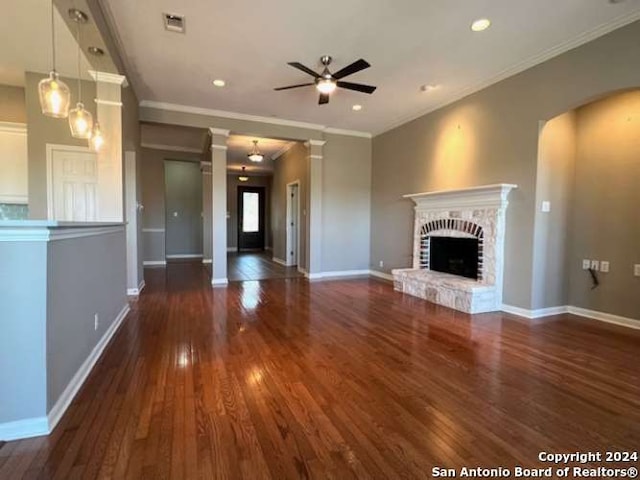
(153, 215)
(554, 183)
(491, 137)
(605, 221)
(42, 130)
(183, 203)
(232, 206)
(291, 166)
(85, 276)
(13, 107)
(23, 296)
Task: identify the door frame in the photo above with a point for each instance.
(262, 212)
(288, 243)
(51, 147)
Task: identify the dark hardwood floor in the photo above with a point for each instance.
(257, 266)
(343, 379)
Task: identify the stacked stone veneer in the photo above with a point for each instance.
(471, 213)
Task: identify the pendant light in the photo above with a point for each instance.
(243, 177)
(255, 155)
(54, 94)
(97, 139)
(80, 120)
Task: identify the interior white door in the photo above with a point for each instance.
(74, 185)
(293, 207)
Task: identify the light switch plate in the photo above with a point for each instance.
(595, 265)
(604, 266)
(586, 264)
(546, 206)
(636, 270)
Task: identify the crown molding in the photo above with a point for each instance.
(106, 77)
(13, 127)
(283, 150)
(315, 143)
(170, 148)
(172, 107)
(109, 103)
(219, 131)
(530, 62)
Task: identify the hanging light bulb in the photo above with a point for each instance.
(97, 139)
(54, 94)
(243, 177)
(255, 155)
(80, 120)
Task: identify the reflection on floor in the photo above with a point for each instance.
(256, 266)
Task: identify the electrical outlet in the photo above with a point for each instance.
(604, 266)
(636, 270)
(595, 265)
(96, 321)
(381, 264)
(586, 264)
(546, 206)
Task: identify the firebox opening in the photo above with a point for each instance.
(458, 256)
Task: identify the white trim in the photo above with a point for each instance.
(204, 164)
(316, 157)
(13, 127)
(533, 314)
(170, 148)
(219, 147)
(154, 263)
(315, 143)
(279, 261)
(232, 249)
(219, 282)
(21, 429)
(108, 103)
(382, 275)
(207, 173)
(15, 199)
(217, 131)
(207, 261)
(172, 107)
(65, 399)
(303, 271)
(183, 255)
(484, 196)
(288, 261)
(106, 77)
(605, 317)
(337, 274)
(134, 292)
(153, 230)
(532, 61)
(44, 234)
(283, 150)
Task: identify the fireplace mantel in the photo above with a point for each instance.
(475, 212)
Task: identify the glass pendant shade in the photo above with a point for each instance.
(255, 155)
(55, 96)
(81, 122)
(243, 177)
(97, 139)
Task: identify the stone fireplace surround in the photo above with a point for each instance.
(476, 212)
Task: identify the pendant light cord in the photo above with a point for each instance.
(53, 35)
(79, 79)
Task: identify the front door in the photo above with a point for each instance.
(251, 210)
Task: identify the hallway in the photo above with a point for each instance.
(340, 379)
(257, 266)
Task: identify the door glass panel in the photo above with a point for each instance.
(250, 212)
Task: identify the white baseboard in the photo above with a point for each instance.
(35, 427)
(154, 263)
(605, 317)
(182, 256)
(232, 249)
(533, 314)
(219, 282)
(302, 270)
(61, 405)
(27, 428)
(207, 261)
(279, 261)
(336, 274)
(382, 275)
(134, 292)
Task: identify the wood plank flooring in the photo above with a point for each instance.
(343, 379)
(257, 266)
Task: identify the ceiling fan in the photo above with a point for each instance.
(326, 82)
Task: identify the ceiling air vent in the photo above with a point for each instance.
(173, 22)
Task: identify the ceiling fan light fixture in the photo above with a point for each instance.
(480, 25)
(255, 155)
(326, 85)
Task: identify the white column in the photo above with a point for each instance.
(219, 206)
(207, 201)
(109, 114)
(315, 208)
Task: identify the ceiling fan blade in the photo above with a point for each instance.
(358, 87)
(351, 69)
(324, 98)
(299, 66)
(293, 86)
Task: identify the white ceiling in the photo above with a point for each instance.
(408, 44)
(25, 36)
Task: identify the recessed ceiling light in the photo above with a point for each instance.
(429, 88)
(356, 108)
(219, 83)
(480, 24)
